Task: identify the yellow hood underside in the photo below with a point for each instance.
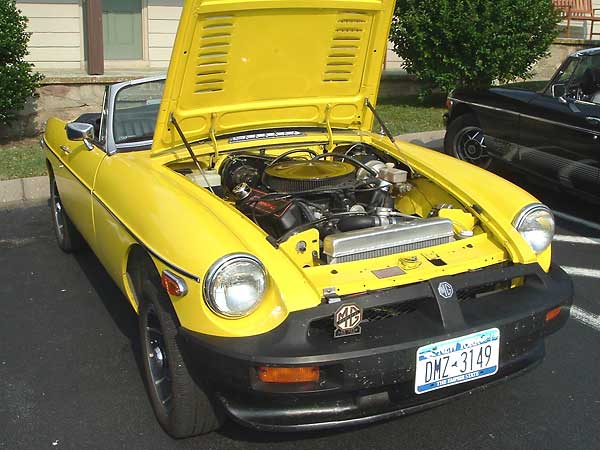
(252, 64)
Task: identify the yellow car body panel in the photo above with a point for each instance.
(255, 63)
(191, 228)
(133, 199)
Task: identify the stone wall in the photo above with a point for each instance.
(558, 53)
(66, 101)
(66, 98)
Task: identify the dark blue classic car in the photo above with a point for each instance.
(553, 134)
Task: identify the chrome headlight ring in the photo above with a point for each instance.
(535, 223)
(235, 285)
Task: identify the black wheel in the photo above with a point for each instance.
(67, 236)
(181, 406)
(465, 140)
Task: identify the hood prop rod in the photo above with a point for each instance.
(191, 152)
(387, 131)
(213, 136)
(330, 144)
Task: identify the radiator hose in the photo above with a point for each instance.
(362, 222)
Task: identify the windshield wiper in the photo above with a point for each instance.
(130, 139)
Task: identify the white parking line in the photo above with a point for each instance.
(585, 317)
(576, 239)
(582, 272)
(587, 223)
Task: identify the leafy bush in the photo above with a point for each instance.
(455, 43)
(17, 81)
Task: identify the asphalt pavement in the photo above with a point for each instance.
(70, 378)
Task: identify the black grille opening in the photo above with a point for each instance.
(388, 311)
(476, 292)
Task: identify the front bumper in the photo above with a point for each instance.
(371, 376)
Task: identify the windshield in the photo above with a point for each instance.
(135, 111)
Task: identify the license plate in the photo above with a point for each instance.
(457, 360)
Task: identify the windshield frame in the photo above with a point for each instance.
(111, 146)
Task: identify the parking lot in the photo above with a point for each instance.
(69, 377)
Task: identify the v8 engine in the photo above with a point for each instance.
(348, 197)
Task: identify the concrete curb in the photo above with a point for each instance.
(23, 190)
(26, 190)
(430, 139)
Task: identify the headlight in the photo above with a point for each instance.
(536, 225)
(235, 285)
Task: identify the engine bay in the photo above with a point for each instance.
(350, 196)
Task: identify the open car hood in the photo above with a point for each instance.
(255, 64)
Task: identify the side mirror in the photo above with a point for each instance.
(558, 90)
(77, 131)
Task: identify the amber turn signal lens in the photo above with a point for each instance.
(173, 284)
(288, 374)
(553, 314)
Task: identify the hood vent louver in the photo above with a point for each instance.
(345, 46)
(213, 54)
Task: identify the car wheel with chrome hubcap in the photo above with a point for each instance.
(465, 140)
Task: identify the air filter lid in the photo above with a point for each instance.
(295, 175)
(310, 170)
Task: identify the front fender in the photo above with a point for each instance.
(494, 200)
(191, 229)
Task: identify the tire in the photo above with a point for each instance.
(67, 236)
(465, 140)
(182, 407)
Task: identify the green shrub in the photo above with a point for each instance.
(17, 81)
(455, 43)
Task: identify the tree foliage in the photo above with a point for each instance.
(456, 43)
(17, 79)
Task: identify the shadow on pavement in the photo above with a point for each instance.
(113, 300)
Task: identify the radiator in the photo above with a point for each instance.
(388, 240)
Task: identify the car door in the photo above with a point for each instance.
(560, 130)
(130, 122)
(75, 178)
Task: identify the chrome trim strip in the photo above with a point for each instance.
(518, 221)
(527, 116)
(571, 127)
(113, 90)
(176, 268)
(493, 108)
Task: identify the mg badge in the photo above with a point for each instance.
(446, 290)
(347, 320)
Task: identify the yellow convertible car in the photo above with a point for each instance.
(291, 269)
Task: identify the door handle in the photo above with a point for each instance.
(593, 120)
(67, 150)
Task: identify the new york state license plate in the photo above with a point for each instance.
(457, 360)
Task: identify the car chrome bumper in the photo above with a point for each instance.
(371, 376)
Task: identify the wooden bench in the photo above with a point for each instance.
(578, 10)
